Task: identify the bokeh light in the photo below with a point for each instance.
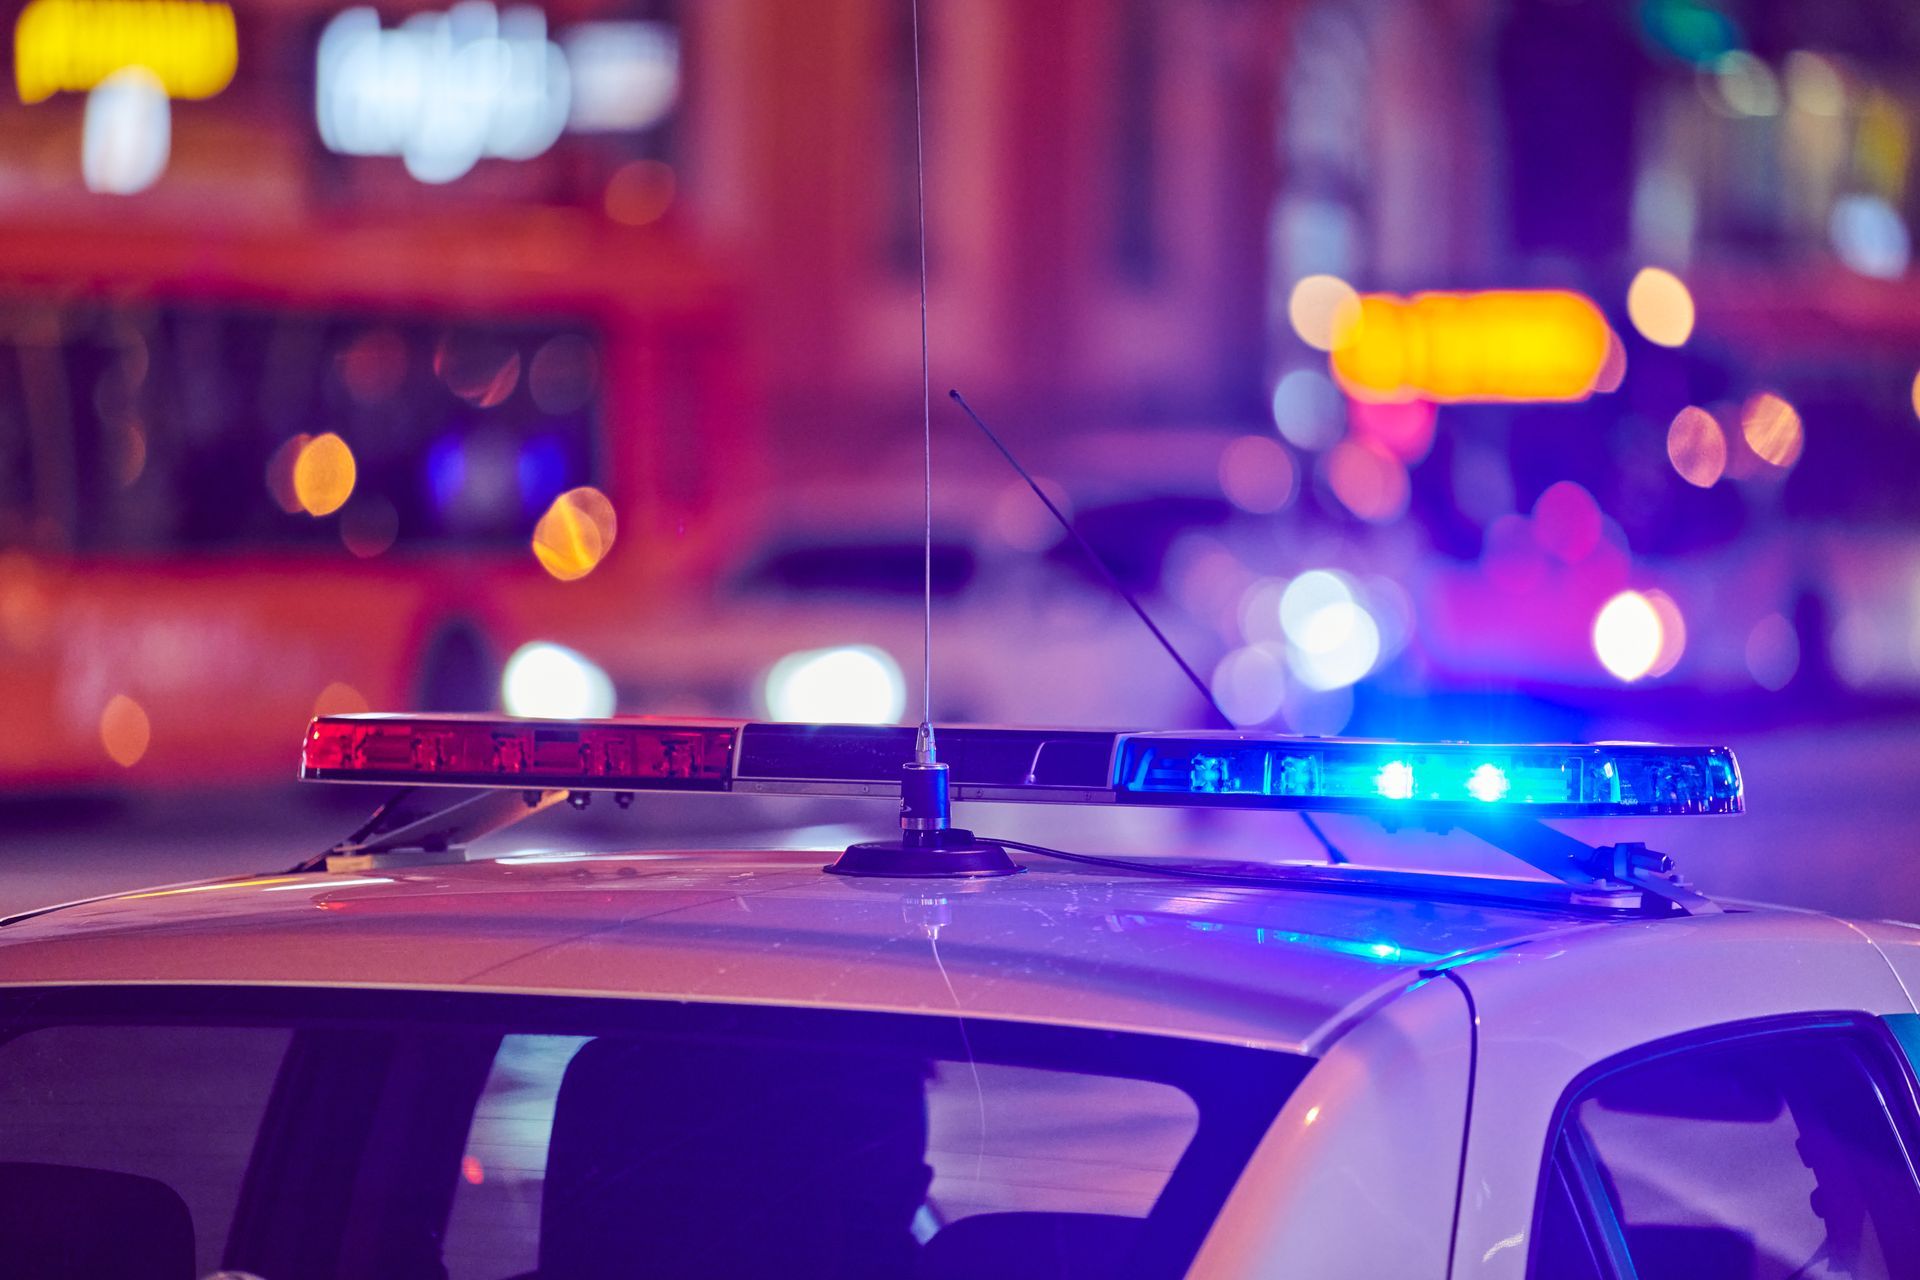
(1673, 633)
(1306, 595)
(124, 730)
(1870, 237)
(553, 682)
(1697, 447)
(480, 369)
(127, 133)
(1814, 84)
(1627, 636)
(368, 525)
(1566, 522)
(1613, 370)
(575, 534)
(1338, 645)
(1257, 474)
(639, 192)
(1501, 345)
(1916, 395)
(279, 474)
(1661, 307)
(1740, 84)
(373, 366)
(1772, 652)
(1250, 684)
(1368, 481)
(850, 684)
(323, 475)
(1321, 308)
(1402, 428)
(563, 374)
(1772, 430)
(339, 699)
(1309, 409)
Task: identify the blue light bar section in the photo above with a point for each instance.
(1416, 779)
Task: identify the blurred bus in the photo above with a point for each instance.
(186, 575)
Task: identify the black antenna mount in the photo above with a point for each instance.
(929, 843)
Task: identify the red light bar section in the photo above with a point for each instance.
(606, 755)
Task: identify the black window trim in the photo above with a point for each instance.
(1578, 1165)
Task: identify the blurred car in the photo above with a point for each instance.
(732, 1063)
(245, 480)
(815, 611)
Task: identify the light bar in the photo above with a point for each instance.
(478, 751)
(1197, 770)
(1456, 779)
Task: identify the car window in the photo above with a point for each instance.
(313, 1135)
(173, 1111)
(1000, 1140)
(1768, 1155)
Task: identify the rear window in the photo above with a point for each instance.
(132, 427)
(328, 1134)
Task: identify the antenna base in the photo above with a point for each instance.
(949, 854)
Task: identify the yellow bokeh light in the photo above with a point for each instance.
(1772, 429)
(1660, 307)
(72, 45)
(575, 534)
(323, 475)
(1506, 345)
(1319, 308)
(1697, 447)
(125, 730)
(1916, 395)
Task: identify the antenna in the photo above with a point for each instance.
(929, 843)
(1099, 562)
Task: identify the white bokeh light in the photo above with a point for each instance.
(851, 684)
(1627, 636)
(127, 133)
(552, 682)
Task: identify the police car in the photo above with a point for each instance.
(947, 1055)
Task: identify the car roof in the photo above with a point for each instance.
(1281, 968)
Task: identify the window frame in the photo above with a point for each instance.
(1237, 1090)
(1575, 1162)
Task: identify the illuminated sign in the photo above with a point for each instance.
(444, 90)
(73, 45)
(1505, 345)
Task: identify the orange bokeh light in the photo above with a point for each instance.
(575, 534)
(1772, 429)
(1660, 307)
(125, 731)
(1505, 345)
(323, 475)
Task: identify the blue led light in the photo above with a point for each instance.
(1411, 779)
(1395, 780)
(1488, 783)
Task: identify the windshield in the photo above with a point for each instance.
(297, 1135)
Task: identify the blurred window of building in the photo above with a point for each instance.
(180, 426)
